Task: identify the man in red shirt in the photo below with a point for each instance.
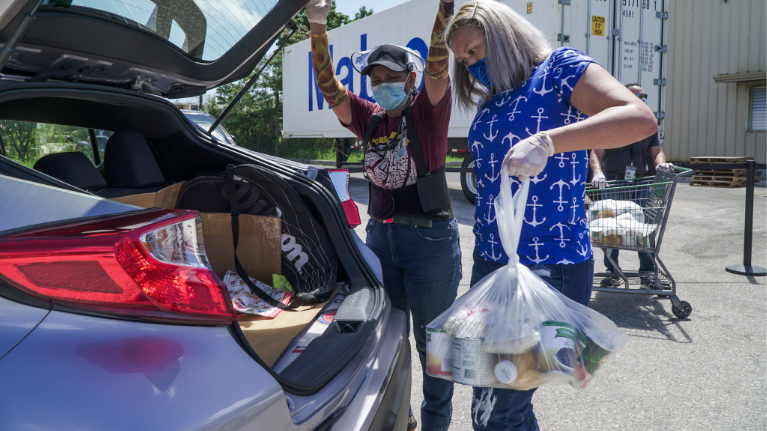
(411, 229)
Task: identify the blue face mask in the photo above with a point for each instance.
(479, 71)
(390, 95)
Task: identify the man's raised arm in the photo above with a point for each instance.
(332, 90)
(436, 72)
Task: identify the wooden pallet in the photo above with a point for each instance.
(723, 177)
(714, 159)
(717, 183)
(730, 172)
(719, 177)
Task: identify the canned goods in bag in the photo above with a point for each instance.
(558, 347)
(468, 361)
(593, 355)
(439, 353)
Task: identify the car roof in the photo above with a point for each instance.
(192, 111)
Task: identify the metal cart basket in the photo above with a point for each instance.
(632, 215)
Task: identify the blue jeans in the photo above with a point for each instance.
(495, 409)
(646, 259)
(421, 271)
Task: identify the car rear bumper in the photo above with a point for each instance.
(394, 410)
(382, 403)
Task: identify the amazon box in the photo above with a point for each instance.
(258, 248)
(165, 198)
(270, 337)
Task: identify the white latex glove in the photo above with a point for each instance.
(317, 10)
(665, 166)
(599, 180)
(529, 156)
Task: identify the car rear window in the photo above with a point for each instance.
(26, 142)
(204, 29)
(205, 121)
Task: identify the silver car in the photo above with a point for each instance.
(205, 121)
(110, 316)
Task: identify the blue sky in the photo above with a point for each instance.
(350, 7)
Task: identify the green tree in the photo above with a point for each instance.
(256, 120)
(20, 140)
(362, 13)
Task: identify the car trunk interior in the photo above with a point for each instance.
(323, 337)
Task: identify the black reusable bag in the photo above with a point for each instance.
(308, 260)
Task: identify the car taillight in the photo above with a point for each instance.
(340, 178)
(147, 265)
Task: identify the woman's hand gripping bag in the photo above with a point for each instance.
(512, 330)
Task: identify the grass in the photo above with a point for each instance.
(330, 155)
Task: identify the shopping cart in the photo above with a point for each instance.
(632, 215)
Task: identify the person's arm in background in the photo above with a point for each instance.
(659, 157)
(436, 72)
(595, 161)
(332, 90)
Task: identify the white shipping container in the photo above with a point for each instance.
(624, 36)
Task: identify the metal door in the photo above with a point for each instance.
(624, 36)
(639, 48)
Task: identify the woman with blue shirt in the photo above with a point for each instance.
(538, 112)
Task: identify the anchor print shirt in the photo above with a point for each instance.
(555, 230)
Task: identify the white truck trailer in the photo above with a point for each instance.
(627, 37)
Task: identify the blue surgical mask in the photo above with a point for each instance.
(479, 71)
(390, 95)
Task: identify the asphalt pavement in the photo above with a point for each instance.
(705, 372)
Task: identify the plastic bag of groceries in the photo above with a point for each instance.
(608, 208)
(514, 331)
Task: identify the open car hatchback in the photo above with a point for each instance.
(114, 312)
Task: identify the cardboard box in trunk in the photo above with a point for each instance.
(259, 253)
(258, 248)
(270, 337)
(165, 198)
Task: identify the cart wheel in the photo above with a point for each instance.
(683, 312)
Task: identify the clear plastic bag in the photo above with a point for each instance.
(609, 208)
(514, 331)
(624, 230)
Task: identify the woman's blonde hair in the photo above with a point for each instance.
(514, 47)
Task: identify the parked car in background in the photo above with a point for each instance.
(205, 120)
(111, 316)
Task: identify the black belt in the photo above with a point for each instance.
(408, 221)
